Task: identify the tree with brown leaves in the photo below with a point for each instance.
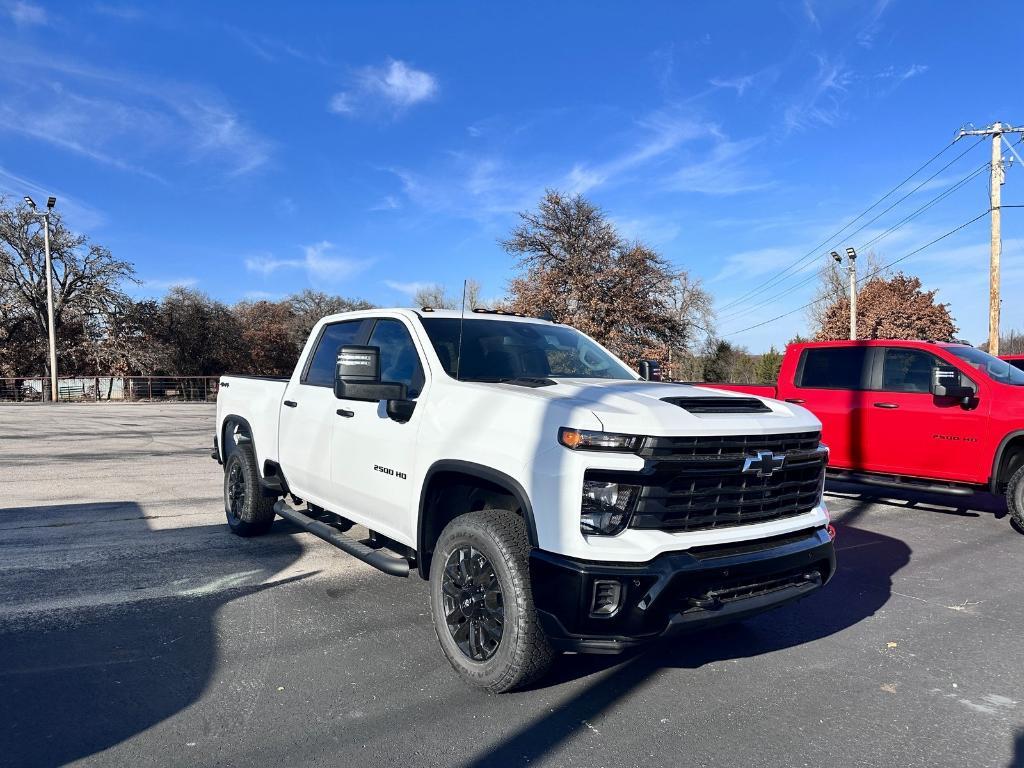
(578, 270)
(893, 308)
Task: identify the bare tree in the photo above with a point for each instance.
(437, 296)
(310, 306)
(576, 268)
(86, 276)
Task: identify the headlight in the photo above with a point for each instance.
(589, 440)
(606, 507)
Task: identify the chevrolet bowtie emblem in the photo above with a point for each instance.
(764, 464)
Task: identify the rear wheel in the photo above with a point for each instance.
(1015, 499)
(482, 603)
(249, 512)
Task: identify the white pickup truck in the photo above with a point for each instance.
(554, 499)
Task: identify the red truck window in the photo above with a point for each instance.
(908, 370)
(832, 368)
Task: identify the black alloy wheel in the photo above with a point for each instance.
(474, 606)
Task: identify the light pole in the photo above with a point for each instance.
(45, 216)
(851, 271)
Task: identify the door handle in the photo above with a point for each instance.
(347, 414)
(797, 400)
(887, 405)
(290, 403)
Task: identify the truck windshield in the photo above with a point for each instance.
(993, 367)
(503, 350)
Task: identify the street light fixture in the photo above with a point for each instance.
(837, 257)
(45, 216)
(851, 254)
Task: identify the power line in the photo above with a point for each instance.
(864, 246)
(849, 224)
(865, 277)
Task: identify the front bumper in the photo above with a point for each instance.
(676, 591)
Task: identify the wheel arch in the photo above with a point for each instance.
(484, 483)
(1009, 456)
(272, 479)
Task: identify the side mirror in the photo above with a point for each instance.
(400, 410)
(357, 376)
(946, 382)
(650, 370)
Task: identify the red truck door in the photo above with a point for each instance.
(830, 381)
(908, 431)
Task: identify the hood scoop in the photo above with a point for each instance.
(702, 405)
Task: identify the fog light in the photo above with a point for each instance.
(607, 596)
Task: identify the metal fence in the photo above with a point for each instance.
(163, 389)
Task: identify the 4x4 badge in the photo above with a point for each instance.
(764, 464)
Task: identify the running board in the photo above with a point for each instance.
(898, 482)
(393, 566)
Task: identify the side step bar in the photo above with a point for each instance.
(897, 481)
(394, 566)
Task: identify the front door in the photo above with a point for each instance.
(307, 415)
(912, 432)
(372, 456)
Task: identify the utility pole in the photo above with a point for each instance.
(851, 273)
(997, 177)
(52, 201)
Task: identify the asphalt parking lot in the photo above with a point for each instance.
(135, 630)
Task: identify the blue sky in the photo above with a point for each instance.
(251, 150)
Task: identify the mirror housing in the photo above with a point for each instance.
(946, 383)
(357, 376)
(650, 370)
(400, 410)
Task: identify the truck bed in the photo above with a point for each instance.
(258, 400)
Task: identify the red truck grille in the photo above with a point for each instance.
(698, 483)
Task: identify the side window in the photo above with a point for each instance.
(908, 370)
(832, 368)
(399, 361)
(320, 372)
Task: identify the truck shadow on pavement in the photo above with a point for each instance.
(122, 633)
(867, 562)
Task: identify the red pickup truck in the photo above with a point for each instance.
(934, 416)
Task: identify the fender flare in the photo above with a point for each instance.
(270, 481)
(483, 472)
(993, 483)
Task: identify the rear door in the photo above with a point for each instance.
(910, 431)
(307, 414)
(830, 382)
(372, 456)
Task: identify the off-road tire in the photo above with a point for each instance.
(523, 654)
(252, 513)
(1015, 499)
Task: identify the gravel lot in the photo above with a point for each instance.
(135, 630)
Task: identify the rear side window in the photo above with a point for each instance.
(833, 368)
(320, 372)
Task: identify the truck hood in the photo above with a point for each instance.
(639, 407)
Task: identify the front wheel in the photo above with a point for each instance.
(482, 603)
(1015, 499)
(249, 512)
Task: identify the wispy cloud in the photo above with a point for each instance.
(872, 24)
(317, 260)
(721, 172)
(120, 120)
(809, 13)
(388, 203)
(270, 48)
(79, 215)
(114, 11)
(820, 102)
(893, 77)
(409, 289)
(26, 14)
(393, 87)
(738, 84)
(164, 284)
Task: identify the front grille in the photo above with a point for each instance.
(698, 483)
